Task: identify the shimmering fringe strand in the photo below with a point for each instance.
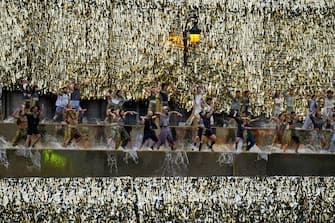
(181, 199)
(257, 45)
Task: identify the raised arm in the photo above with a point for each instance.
(276, 120)
(176, 113)
(15, 113)
(129, 113)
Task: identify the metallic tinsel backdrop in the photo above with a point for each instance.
(245, 44)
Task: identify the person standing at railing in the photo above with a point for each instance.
(290, 100)
(152, 99)
(327, 110)
(61, 102)
(75, 97)
(277, 104)
(235, 103)
(246, 103)
(26, 91)
(165, 92)
(118, 100)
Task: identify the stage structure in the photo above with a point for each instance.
(96, 155)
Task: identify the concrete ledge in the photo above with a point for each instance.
(85, 163)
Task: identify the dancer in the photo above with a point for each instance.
(110, 119)
(208, 134)
(22, 124)
(33, 118)
(280, 137)
(243, 133)
(71, 132)
(313, 105)
(194, 118)
(197, 100)
(200, 129)
(318, 123)
(122, 134)
(292, 125)
(149, 132)
(165, 131)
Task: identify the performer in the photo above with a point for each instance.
(198, 95)
(110, 119)
(292, 125)
(33, 118)
(243, 133)
(318, 123)
(22, 124)
(200, 129)
(165, 131)
(280, 137)
(149, 132)
(313, 105)
(206, 115)
(194, 118)
(71, 129)
(123, 134)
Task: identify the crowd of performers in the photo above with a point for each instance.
(69, 112)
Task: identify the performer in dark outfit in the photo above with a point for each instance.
(149, 132)
(294, 136)
(33, 118)
(243, 133)
(122, 132)
(319, 123)
(208, 133)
